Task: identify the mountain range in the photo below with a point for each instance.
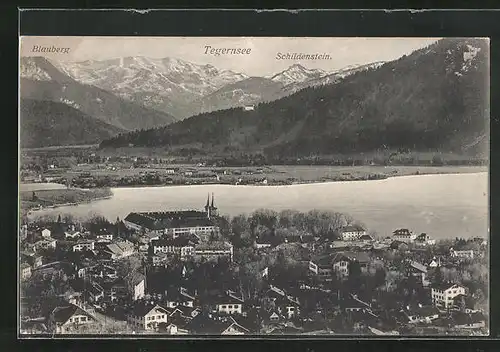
(436, 98)
(133, 93)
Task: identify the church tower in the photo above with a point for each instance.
(207, 206)
(213, 208)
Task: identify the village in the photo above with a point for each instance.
(195, 272)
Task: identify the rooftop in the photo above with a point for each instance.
(173, 219)
(352, 228)
(62, 314)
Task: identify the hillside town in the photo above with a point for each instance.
(196, 272)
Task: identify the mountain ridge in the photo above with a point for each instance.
(429, 99)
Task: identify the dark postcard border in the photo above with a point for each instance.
(258, 23)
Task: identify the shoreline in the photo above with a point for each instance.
(304, 183)
(299, 183)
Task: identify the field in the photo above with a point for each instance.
(55, 197)
(273, 173)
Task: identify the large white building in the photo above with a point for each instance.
(144, 317)
(351, 233)
(175, 223)
(443, 294)
(404, 235)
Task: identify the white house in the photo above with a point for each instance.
(466, 254)
(71, 319)
(403, 235)
(136, 285)
(25, 271)
(229, 304)
(248, 108)
(83, 246)
(351, 233)
(104, 237)
(46, 233)
(144, 317)
(443, 294)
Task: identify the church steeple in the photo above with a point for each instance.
(207, 206)
(213, 201)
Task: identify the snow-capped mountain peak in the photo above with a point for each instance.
(297, 73)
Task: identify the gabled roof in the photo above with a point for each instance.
(423, 312)
(444, 286)
(141, 309)
(203, 324)
(418, 266)
(360, 257)
(401, 232)
(352, 228)
(215, 245)
(134, 278)
(62, 314)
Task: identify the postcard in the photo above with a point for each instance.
(253, 186)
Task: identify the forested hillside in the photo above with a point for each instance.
(46, 123)
(433, 99)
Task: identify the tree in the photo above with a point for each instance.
(34, 197)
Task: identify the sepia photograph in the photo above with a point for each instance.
(255, 186)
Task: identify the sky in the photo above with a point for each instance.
(261, 61)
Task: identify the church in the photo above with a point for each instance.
(176, 223)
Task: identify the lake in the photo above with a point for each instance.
(444, 206)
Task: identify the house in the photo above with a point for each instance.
(434, 263)
(351, 233)
(353, 304)
(285, 304)
(322, 267)
(170, 171)
(248, 108)
(71, 319)
(104, 237)
(366, 238)
(464, 303)
(227, 303)
(262, 243)
(443, 294)
(213, 251)
(418, 270)
(179, 297)
(136, 285)
(46, 233)
(33, 326)
(420, 314)
(399, 245)
(32, 259)
(403, 235)
(147, 317)
(424, 239)
(469, 321)
(342, 260)
(120, 249)
(83, 246)
(210, 324)
(159, 259)
(71, 234)
(45, 244)
(464, 254)
(25, 271)
(181, 246)
(95, 292)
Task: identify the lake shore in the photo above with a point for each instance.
(53, 198)
(278, 175)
